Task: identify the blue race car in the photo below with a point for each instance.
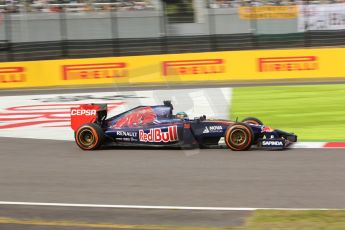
(158, 126)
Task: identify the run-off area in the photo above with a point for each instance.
(48, 116)
(314, 112)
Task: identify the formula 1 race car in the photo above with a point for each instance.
(158, 126)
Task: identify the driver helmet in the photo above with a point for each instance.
(181, 115)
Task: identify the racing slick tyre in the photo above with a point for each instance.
(239, 137)
(89, 136)
(252, 120)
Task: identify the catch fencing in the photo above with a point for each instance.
(69, 33)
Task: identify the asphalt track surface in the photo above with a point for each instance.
(59, 172)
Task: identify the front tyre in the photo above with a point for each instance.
(89, 136)
(239, 137)
(252, 120)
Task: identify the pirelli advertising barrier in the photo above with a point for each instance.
(177, 68)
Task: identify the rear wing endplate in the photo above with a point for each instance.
(87, 113)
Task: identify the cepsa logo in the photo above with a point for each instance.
(81, 112)
(157, 135)
(192, 67)
(12, 74)
(297, 63)
(95, 71)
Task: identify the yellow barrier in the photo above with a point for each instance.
(268, 12)
(196, 67)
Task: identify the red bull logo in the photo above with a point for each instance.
(157, 135)
(12, 74)
(298, 63)
(266, 129)
(193, 67)
(94, 71)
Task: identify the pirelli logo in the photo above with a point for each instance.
(192, 67)
(95, 71)
(297, 63)
(12, 74)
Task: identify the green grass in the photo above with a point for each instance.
(259, 220)
(295, 220)
(313, 112)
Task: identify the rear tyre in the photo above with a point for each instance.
(89, 136)
(252, 120)
(239, 137)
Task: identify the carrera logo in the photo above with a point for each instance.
(272, 143)
(157, 135)
(192, 67)
(95, 71)
(12, 74)
(80, 112)
(298, 63)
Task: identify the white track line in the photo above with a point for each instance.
(308, 145)
(160, 207)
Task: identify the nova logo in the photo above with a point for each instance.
(157, 135)
(216, 128)
(206, 130)
(94, 71)
(213, 129)
(80, 112)
(193, 67)
(12, 74)
(297, 63)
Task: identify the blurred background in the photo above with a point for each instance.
(51, 29)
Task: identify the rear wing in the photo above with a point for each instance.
(87, 113)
